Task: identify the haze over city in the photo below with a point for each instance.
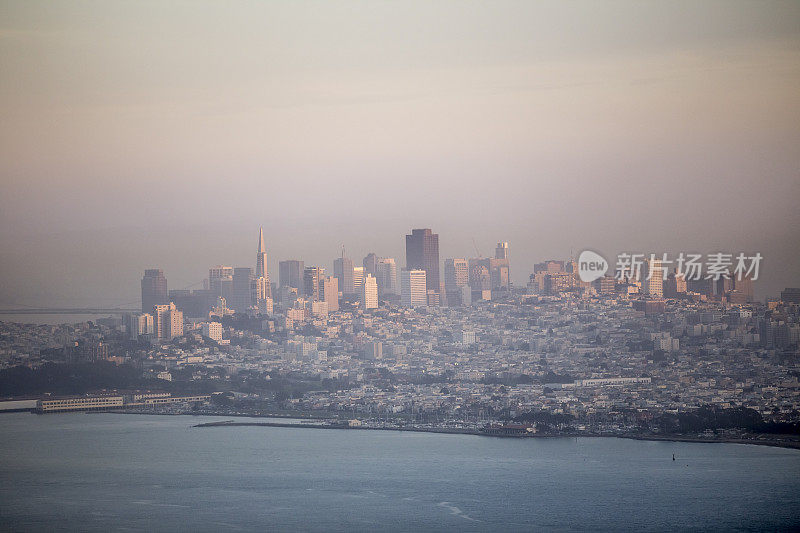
(150, 134)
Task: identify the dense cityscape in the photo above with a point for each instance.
(377, 346)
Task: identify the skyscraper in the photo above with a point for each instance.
(501, 252)
(154, 289)
(167, 321)
(422, 253)
(220, 281)
(653, 278)
(371, 264)
(330, 293)
(290, 274)
(312, 282)
(369, 292)
(343, 271)
(358, 279)
(138, 324)
(456, 275)
(387, 277)
(413, 292)
(261, 257)
(241, 297)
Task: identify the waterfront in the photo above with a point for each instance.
(110, 471)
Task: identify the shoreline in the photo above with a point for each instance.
(788, 444)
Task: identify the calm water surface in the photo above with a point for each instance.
(102, 472)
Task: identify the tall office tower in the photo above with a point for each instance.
(413, 288)
(422, 253)
(312, 283)
(154, 289)
(369, 292)
(219, 272)
(330, 293)
(240, 299)
(343, 271)
(499, 267)
(744, 287)
(387, 277)
(358, 279)
(653, 278)
(220, 281)
(500, 276)
(456, 275)
(167, 321)
(501, 252)
(290, 274)
(261, 257)
(371, 264)
(674, 285)
(480, 278)
(723, 286)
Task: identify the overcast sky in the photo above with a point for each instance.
(162, 134)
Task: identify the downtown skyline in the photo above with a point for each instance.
(654, 127)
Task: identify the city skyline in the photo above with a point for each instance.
(523, 275)
(654, 126)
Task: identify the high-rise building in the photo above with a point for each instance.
(261, 295)
(330, 293)
(413, 288)
(358, 279)
(194, 304)
(138, 325)
(240, 300)
(499, 268)
(387, 276)
(343, 271)
(456, 275)
(371, 264)
(261, 257)
(744, 287)
(220, 281)
(290, 274)
(220, 271)
(501, 252)
(674, 286)
(369, 292)
(480, 278)
(167, 321)
(422, 253)
(154, 289)
(312, 283)
(653, 278)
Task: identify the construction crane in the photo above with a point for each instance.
(476, 249)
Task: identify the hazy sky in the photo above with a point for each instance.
(162, 134)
